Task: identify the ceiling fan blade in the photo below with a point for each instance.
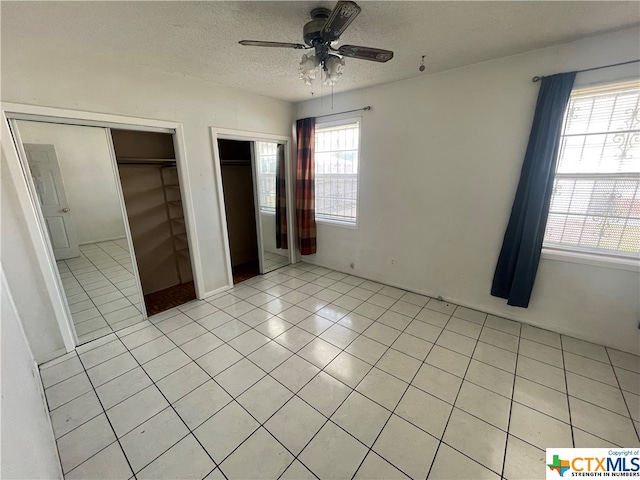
(340, 18)
(366, 53)
(258, 43)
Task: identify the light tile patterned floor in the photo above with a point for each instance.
(101, 290)
(273, 261)
(308, 372)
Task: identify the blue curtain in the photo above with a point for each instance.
(522, 244)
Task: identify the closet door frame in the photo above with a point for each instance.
(18, 171)
(247, 136)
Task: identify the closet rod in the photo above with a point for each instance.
(235, 162)
(168, 163)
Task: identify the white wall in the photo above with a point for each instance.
(87, 84)
(28, 445)
(150, 229)
(19, 263)
(440, 162)
(87, 172)
(56, 79)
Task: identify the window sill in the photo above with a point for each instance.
(595, 260)
(337, 223)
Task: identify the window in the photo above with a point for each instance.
(595, 205)
(336, 169)
(267, 160)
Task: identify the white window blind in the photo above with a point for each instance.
(267, 160)
(595, 205)
(336, 171)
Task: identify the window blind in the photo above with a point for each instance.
(595, 205)
(336, 172)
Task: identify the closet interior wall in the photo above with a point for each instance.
(151, 189)
(237, 182)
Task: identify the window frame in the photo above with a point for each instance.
(260, 175)
(336, 123)
(577, 255)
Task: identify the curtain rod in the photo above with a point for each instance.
(365, 109)
(537, 78)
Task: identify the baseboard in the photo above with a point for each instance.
(216, 291)
(51, 356)
(483, 309)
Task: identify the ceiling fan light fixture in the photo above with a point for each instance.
(322, 34)
(308, 67)
(333, 68)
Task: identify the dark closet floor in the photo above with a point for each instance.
(245, 271)
(168, 298)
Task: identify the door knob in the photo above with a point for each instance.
(64, 210)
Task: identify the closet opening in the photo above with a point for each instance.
(240, 207)
(253, 175)
(153, 200)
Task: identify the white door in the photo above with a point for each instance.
(49, 186)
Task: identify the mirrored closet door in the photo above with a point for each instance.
(272, 204)
(75, 183)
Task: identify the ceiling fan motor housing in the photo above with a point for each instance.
(312, 30)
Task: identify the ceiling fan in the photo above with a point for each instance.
(325, 27)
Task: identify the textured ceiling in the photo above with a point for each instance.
(200, 39)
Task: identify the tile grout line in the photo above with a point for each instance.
(624, 399)
(441, 439)
(285, 360)
(513, 391)
(388, 348)
(316, 336)
(409, 384)
(295, 394)
(566, 386)
(105, 277)
(232, 397)
(153, 383)
(260, 424)
(276, 315)
(110, 424)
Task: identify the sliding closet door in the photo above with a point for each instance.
(270, 177)
(75, 186)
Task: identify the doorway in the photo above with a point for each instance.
(98, 219)
(254, 186)
(153, 200)
(240, 208)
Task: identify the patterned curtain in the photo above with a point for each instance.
(305, 186)
(281, 200)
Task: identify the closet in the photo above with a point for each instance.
(151, 189)
(240, 208)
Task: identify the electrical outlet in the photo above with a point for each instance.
(393, 261)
